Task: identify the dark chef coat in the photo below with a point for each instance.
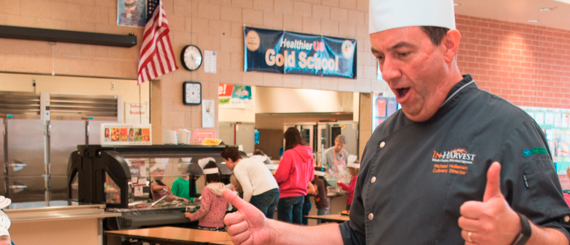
(415, 176)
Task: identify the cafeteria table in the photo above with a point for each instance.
(329, 217)
(169, 236)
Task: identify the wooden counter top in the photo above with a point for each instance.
(329, 217)
(44, 214)
(176, 234)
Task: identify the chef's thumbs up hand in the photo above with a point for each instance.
(491, 221)
(247, 225)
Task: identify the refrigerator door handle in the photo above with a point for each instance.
(18, 188)
(18, 166)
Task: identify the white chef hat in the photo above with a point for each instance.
(4, 232)
(155, 167)
(388, 14)
(202, 162)
(211, 170)
(5, 202)
(351, 162)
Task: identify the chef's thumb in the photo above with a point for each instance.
(493, 187)
(234, 199)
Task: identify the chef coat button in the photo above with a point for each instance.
(566, 218)
(373, 180)
(382, 144)
(370, 216)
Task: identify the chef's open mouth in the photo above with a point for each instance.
(402, 92)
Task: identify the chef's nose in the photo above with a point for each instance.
(390, 69)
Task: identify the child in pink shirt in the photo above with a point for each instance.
(213, 204)
(353, 168)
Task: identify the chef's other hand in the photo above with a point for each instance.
(248, 225)
(491, 221)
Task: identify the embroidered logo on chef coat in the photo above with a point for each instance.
(538, 150)
(452, 162)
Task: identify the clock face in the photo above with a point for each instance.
(192, 93)
(191, 57)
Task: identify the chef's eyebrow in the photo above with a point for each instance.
(396, 46)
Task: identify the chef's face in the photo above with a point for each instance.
(414, 69)
(5, 240)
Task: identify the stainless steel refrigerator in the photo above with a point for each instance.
(39, 131)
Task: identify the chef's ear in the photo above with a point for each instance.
(450, 45)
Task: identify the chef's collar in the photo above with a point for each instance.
(467, 79)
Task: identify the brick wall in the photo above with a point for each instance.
(525, 64)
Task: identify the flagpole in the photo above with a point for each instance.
(140, 105)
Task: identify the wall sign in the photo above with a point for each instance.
(297, 53)
(126, 134)
(234, 96)
(136, 113)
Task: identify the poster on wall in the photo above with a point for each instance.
(284, 52)
(131, 13)
(126, 134)
(234, 96)
(208, 113)
(210, 61)
(200, 135)
(136, 113)
(555, 123)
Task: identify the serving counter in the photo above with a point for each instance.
(121, 178)
(59, 225)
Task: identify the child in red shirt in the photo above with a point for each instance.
(353, 168)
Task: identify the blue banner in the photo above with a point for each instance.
(297, 53)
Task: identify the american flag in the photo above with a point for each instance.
(157, 57)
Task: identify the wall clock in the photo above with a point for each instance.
(191, 57)
(192, 93)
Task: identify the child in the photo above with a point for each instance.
(236, 186)
(181, 186)
(353, 167)
(213, 205)
(321, 199)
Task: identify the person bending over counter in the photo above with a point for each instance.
(258, 184)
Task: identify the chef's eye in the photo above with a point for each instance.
(380, 58)
(404, 54)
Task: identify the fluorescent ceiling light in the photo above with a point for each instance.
(563, 1)
(532, 21)
(458, 4)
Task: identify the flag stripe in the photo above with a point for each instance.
(156, 56)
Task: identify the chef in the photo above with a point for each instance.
(457, 165)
